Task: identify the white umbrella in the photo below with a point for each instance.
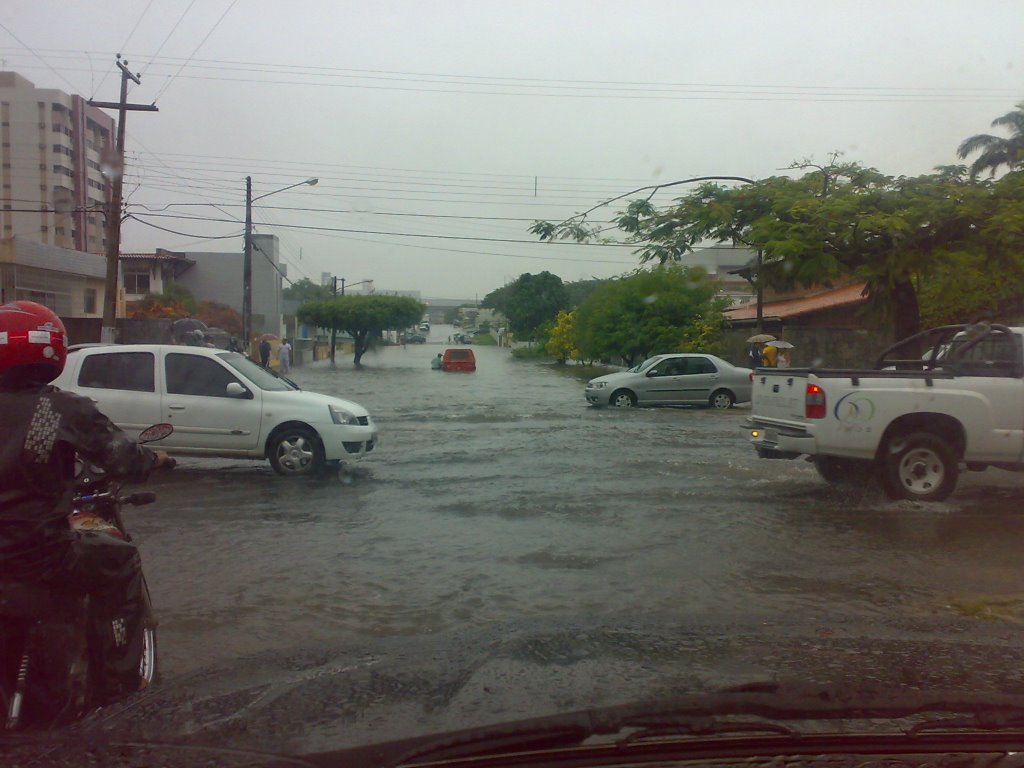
(760, 337)
(780, 344)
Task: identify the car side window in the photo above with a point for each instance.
(118, 370)
(701, 365)
(196, 375)
(661, 369)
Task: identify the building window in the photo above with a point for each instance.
(136, 282)
(90, 301)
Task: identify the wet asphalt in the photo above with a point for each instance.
(509, 552)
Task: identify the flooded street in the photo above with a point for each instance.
(508, 551)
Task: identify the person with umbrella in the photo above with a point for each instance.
(782, 352)
(756, 352)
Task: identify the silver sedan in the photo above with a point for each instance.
(681, 379)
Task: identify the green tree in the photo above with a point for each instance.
(531, 302)
(561, 341)
(837, 221)
(665, 309)
(996, 151)
(362, 317)
(306, 290)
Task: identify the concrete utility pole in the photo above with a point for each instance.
(247, 269)
(334, 332)
(114, 207)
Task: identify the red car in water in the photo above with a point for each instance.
(458, 360)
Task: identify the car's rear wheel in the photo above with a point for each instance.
(721, 399)
(295, 451)
(622, 398)
(919, 466)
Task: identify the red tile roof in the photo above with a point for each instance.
(836, 297)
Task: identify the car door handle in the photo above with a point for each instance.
(176, 407)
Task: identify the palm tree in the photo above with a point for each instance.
(995, 150)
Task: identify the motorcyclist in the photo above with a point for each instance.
(44, 428)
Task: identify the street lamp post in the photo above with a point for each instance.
(247, 254)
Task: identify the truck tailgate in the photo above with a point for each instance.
(779, 395)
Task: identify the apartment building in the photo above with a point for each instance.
(52, 145)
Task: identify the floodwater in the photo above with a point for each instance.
(509, 551)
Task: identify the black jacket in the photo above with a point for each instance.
(43, 429)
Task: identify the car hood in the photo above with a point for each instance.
(612, 378)
(314, 398)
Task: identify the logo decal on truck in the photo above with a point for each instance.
(854, 408)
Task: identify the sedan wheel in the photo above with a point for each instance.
(296, 452)
(623, 399)
(721, 399)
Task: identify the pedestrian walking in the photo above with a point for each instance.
(284, 357)
(265, 353)
(769, 356)
(755, 359)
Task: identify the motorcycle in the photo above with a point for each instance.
(55, 659)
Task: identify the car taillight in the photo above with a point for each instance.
(814, 402)
(751, 376)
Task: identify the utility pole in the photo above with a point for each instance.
(334, 332)
(114, 209)
(247, 270)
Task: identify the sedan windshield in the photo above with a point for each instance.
(261, 377)
(645, 364)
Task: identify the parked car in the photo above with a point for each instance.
(679, 379)
(221, 404)
(416, 338)
(458, 360)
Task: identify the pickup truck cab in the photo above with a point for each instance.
(220, 403)
(944, 398)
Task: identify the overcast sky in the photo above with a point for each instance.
(474, 118)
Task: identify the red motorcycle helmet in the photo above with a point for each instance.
(33, 344)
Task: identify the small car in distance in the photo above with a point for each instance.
(458, 360)
(676, 379)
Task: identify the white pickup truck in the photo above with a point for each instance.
(943, 398)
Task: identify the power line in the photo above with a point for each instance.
(194, 52)
(124, 45)
(271, 68)
(41, 59)
(401, 234)
(133, 217)
(168, 37)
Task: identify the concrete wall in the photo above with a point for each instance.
(817, 347)
(217, 277)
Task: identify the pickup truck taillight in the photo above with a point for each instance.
(814, 402)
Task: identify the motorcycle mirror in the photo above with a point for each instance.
(156, 432)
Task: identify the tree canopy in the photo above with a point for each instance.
(362, 317)
(530, 303)
(997, 151)
(306, 290)
(669, 308)
(840, 221)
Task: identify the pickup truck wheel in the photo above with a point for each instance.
(839, 471)
(722, 399)
(919, 466)
(295, 451)
(623, 398)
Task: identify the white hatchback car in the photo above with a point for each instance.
(220, 403)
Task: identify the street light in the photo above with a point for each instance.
(247, 257)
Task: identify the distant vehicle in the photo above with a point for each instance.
(682, 379)
(220, 404)
(424, 326)
(463, 338)
(458, 360)
(416, 338)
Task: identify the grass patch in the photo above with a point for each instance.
(991, 607)
(484, 340)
